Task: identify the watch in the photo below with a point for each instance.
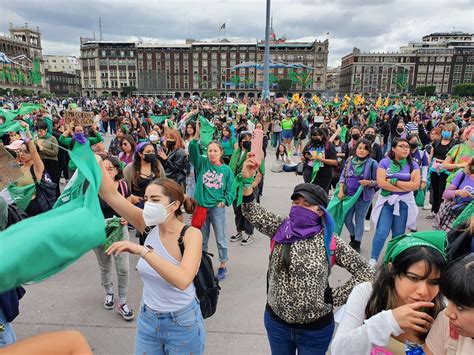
(146, 249)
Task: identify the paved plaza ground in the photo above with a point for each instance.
(73, 299)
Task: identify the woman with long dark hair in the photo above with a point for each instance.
(173, 157)
(189, 133)
(395, 210)
(400, 305)
(319, 157)
(145, 168)
(227, 143)
(127, 146)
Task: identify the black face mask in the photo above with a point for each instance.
(247, 145)
(355, 136)
(150, 157)
(369, 137)
(317, 141)
(413, 145)
(400, 130)
(170, 144)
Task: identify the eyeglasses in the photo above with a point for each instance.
(403, 146)
(125, 143)
(112, 169)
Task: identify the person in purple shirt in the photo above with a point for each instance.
(359, 170)
(395, 210)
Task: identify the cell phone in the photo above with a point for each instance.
(257, 145)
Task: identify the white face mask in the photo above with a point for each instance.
(154, 213)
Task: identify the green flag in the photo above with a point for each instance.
(159, 119)
(40, 246)
(344, 131)
(338, 209)
(206, 132)
(372, 118)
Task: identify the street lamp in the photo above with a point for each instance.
(266, 65)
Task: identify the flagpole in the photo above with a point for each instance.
(266, 64)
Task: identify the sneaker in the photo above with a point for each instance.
(247, 241)
(236, 237)
(430, 216)
(366, 226)
(427, 207)
(125, 312)
(221, 272)
(109, 301)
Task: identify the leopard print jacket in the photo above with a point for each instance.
(297, 295)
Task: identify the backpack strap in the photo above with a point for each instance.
(181, 238)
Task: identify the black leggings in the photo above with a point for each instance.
(438, 183)
(323, 181)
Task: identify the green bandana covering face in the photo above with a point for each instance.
(433, 239)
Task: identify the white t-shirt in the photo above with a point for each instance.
(361, 335)
(159, 294)
(443, 339)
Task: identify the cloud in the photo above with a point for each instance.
(371, 25)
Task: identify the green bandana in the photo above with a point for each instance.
(113, 231)
(394, 169)
(206, 132)
(22, 195)
(358, 165)
(433, 239)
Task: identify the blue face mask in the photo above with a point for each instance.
(446, 134)
(472, 138)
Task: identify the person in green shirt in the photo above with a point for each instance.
(287, 124)
(76, 133)
(227, 143)
(213, 192)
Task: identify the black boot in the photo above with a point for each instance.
(352, 238)
(355, 244)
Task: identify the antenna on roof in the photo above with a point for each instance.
(100, 29)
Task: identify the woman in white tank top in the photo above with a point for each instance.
(170, 319)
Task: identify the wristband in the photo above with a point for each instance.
(146, 249)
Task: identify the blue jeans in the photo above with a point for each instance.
(113, 126)
(285, 340)
(7, 336)
(359, 209)
(180, 332)
(216, 217)
(277, 138)
(387, 221)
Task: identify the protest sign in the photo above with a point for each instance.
(10, 169)
(79, 118)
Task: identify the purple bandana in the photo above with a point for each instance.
(302, 223)
(80, 138)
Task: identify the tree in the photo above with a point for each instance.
(284, 84)
(249, 82)
(427, 90)
(210, 94)
(293, 76)
(305, 80)
(401, 80)
(273, 79)
(235, 80)
(127, 90)
(466, 89)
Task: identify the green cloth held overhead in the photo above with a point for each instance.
(434, 239)
(35, 248)
(207, 130)
(344, 131)
(25, 108)
(10, 126)
(372, 118)
(241, 109)
(159, 119)
(338, 209)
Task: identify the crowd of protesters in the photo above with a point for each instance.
(365, 163)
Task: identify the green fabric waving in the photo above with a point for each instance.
(113, 231)
(206, 132)
(316, 167)
(338, 209)
(21, 194)
(344, 131)
(36, 248)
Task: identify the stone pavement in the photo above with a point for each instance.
(73, 299)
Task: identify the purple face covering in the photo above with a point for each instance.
(302, 223)
(80, 138)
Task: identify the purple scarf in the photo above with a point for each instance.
(302, 223)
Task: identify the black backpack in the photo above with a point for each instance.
(205, 282)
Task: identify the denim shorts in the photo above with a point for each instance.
(287, 134)
(179, 332)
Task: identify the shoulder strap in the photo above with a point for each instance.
(181, 236)
(332, 251)
(122, 190)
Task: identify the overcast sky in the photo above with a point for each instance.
(371, 25)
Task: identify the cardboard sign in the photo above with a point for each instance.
(318, 119)
(79, 118)
(11, 171)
